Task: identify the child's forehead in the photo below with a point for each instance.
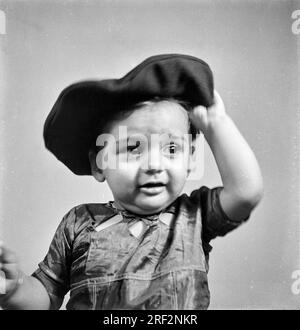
(166, 116)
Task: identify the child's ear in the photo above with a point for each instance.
(95, 170)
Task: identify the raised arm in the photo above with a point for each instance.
(240, 172)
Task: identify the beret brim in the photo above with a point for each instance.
(70, 127)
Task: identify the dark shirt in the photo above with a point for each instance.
(95, 255)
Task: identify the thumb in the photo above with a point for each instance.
(198, 116)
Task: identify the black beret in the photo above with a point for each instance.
(71, 126)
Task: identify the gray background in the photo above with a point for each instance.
(254, 56)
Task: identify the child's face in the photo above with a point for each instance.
(152, 160)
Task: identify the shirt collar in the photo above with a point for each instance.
(129, 214)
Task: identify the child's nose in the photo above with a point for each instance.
(154, 161)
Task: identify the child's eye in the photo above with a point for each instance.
(171, 149)
(134, 148)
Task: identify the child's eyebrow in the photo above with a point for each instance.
(181, 138)
(176, 137)
(123, 143)
(136, 138)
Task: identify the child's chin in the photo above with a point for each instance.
(153, 206)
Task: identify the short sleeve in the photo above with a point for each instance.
(54, 270)
(215, 222)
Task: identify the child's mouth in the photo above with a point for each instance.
(152, 188)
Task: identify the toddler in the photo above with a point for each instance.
(149, 247)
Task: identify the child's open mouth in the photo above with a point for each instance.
(152, 188)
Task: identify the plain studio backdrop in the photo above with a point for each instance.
(253, 50)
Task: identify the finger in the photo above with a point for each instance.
(198, 108)
(218, 107)
(7, 256)
(198, 115)
(11, 271)
(198, 111)
(216, 94)
(7, 286)
(217, 98)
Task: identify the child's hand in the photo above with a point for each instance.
(203, 117)
(240, 172)
(9, 272)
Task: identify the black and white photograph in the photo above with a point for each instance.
(149, 156)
